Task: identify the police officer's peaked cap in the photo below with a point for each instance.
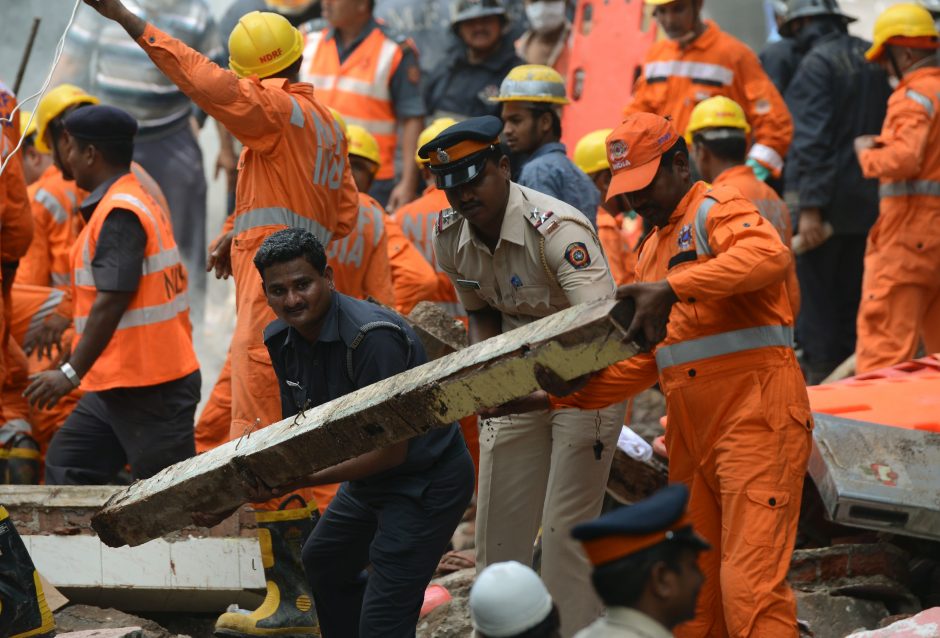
(660, 518)
(471, 9)
(101, 123)
(457, 155)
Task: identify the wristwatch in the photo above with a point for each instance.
(70, 374)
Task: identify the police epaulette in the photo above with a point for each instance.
(544, 222)
(445, 219)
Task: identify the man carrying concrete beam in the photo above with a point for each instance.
(516, 255)
(739, 419)
(398, 506)
(294, 173)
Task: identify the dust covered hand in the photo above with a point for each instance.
(46, 388)
(654, 302)
(115, 10)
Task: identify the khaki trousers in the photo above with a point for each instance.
(539, 470)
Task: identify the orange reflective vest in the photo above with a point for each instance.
(417, 220)
(360, 259)
(675, 79)
(771, 208)
(359, 87)
(54, 206)
(153, 341)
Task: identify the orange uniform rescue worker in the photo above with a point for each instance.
(697, 61)
(739, 419)
(371, 76)
(417, 220)
(412, 278)
(129, 291)
(590, 155)
(293, 173)
(717, 139)
(900, 287)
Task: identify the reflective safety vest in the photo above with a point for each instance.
(359, 87)
(153, 340)
(360, 259)
(54, 205)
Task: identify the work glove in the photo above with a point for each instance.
(761, 172)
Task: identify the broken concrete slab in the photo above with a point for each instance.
(827, 565)
(926, 624)
(836, 616)
(452, 619)
(439, 332)
(78, 618)
(572, 342)
(632, 480)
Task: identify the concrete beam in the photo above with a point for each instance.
(573, 342)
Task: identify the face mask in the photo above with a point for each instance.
(545, 16)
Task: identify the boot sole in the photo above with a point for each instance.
(273, 633)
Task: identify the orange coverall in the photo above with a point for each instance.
(675, 79)
(739, 419)
(360, 259)
(771, 208)
(293, 171)
(417, 220)
(413, 277)
(901, 284)
(621, 259)
(16, 223)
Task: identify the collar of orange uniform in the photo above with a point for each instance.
(705, 41)
(917, 73)
(49, 173)
(693, 196)
(610, 548)
(728, 173)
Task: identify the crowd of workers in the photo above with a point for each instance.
(751, 207)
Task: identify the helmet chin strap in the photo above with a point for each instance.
(894, 63)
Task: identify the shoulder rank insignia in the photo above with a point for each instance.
(446, 218)
(544, 222)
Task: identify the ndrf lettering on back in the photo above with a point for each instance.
(328, 170)
(419, 229)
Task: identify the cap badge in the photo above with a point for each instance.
(442, 156)
(618, 150)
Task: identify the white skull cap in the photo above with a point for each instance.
(507, 599)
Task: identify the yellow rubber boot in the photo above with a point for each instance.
(287, 610)
(23, 609)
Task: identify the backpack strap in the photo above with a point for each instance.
(362, 335)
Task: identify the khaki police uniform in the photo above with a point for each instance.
(537, 469)
(624, 622)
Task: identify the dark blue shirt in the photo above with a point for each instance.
(548, 170)
(313, 374)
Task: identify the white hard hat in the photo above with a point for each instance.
(508, 599)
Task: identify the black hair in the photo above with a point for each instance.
(29, 141)
(548, 628)
(287, 245)
(556, 121)
(621, 582)
(679, 147)
(497, 152)
(115, 153)
(730, 149)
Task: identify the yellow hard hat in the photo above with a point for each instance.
(433, 130)
(590, 153)
(263, 43)
(363, 144)
(53, 104)
(532, 83)
(716, 112)
(342, 121)
(900, 21)
(27, 128)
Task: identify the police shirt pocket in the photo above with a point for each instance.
(765, 517)
(488, 294)
(531, 297)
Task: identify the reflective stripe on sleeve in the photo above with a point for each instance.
(724, 343)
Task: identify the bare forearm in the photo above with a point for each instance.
(361, 467)
(410, 130)
(103, 320)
